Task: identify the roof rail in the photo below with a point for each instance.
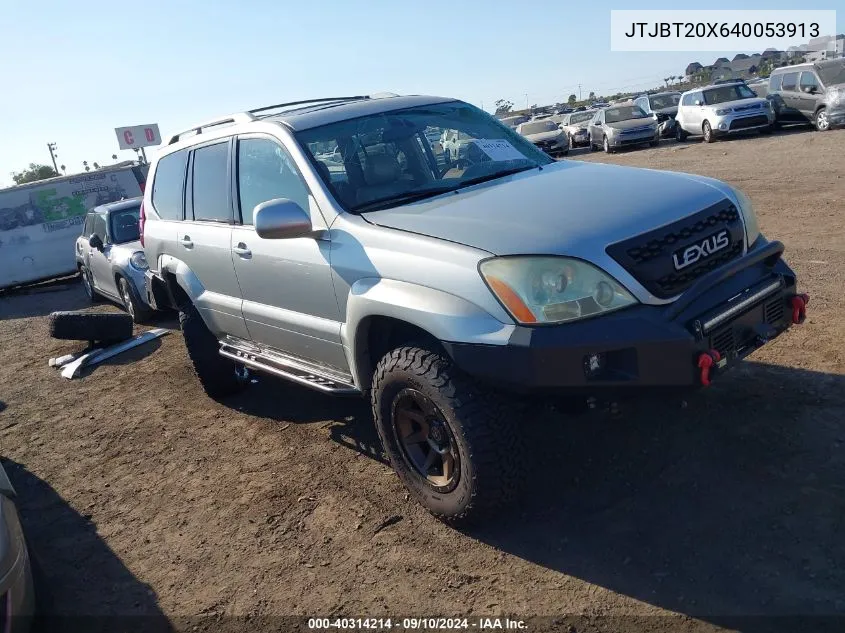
(279, 106)
(238, 117)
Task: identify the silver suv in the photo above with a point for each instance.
(440, 292)
(720, 110)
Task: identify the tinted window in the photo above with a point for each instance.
(265, 172)
(168, 185)
(790, 80)
(100, 227)
(688, 99)
(774, 82)
(124, 225)
(809, 79)
(209, 183)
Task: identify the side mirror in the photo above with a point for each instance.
(698, 102)
(280, 219)
(809, 89)
(95, 242)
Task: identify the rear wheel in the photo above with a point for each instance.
(454, 444)
(822, 120)
(219, 376)
(707, 131)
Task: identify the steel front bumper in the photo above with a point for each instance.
(733, 310)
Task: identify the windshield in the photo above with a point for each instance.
(658, 102)
(580, 117)
(832, 74)
(623, 113)
(387, 159)
(728, 93)
(124, 225)
(537, 127)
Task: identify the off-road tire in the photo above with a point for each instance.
(218, 375)
(135, 306)
(106, 327)
(483, 425)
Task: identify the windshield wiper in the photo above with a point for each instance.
(498, 174)
(402, 198)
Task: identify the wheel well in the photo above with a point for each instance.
(176, 295)
(377, 335)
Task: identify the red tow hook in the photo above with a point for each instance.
(799, 308)
(706, 360)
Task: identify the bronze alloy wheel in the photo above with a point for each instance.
(425, 440)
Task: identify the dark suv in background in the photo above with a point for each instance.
(809, 93)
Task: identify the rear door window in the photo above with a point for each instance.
(210, 183)
(169, 185)
(790, 81)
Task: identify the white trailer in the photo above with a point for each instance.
(40, 221)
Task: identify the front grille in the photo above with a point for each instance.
(649, 257)
(749, 121)
(773, 311)
(754, 106)
(636, 130)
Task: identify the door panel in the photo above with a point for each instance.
(289, 302)
(99, 263)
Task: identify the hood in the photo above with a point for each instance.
(632, 123)
(543, 136)
(568, 208)
(574, 127)
(738, 103)
(129, 247)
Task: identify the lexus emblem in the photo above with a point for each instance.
(689, 255)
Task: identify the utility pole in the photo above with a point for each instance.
(579, 92)
(526, 100)
(52, 148)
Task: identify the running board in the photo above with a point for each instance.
(293, 369)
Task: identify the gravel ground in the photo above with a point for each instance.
(141, 496)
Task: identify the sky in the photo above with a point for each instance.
(73, 70)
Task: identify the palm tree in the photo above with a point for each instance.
(666, 79)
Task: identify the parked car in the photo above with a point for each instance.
(17, 596)
(438, 295)
(456, 144)
(513, 121)
(575, 125)
(809, 93)
(110, 257)
(622, 126)
(546, 135)
(719, 110)
(664, 107)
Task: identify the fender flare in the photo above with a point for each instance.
(444, 316)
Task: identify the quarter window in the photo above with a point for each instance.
(99, 227)
(209, 184)
(168, 186)
(790, 81)
(265, 172)
(775, 82)
(808, 80)
(88, 227)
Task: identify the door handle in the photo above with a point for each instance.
(186, 241)
(242, 251)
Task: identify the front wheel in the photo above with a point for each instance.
(607, 148)
(822, 120)
(453, 444)
(708, 132)
(133, 304)
(87, 283)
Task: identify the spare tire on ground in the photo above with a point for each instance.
(91, 326)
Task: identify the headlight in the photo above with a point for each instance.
(553, 289)
(611, 130)
(138, 260)
(723, 112)
(752, 229)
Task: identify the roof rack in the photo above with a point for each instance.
(249, 115)
(238, 117)
(280, 106)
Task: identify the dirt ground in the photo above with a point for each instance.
(141, 496)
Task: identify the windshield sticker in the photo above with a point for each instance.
(499, 149)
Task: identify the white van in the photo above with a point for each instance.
(40, 221)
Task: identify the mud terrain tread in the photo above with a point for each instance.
(215, 372)
(90, 326)
(493, 441)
